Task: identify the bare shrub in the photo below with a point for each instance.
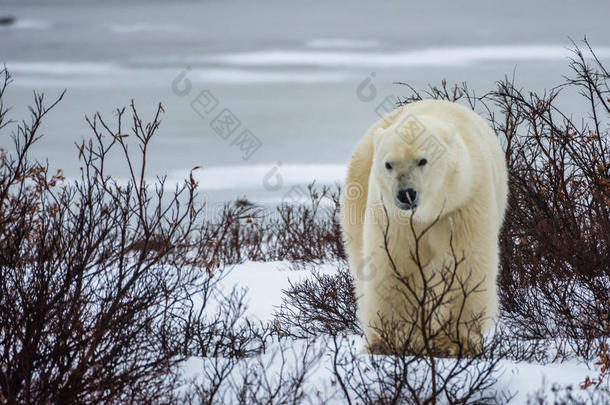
(569, 395)
(278, 377)
(411, 379)
(107, 287)
(309, 231)
(603, 362)
(235, 235)
(223, 331)
(556, 242)
(99, 279)
(302, 231)
(322, 305)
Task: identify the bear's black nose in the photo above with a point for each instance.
(407, 196)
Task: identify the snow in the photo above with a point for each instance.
(81, 74)
(265, 281)
(524, 379)
(338, 43)
(64, 68)
(464, 55)
(253, 176)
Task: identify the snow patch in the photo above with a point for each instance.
(252, 176)
(421, 57)
(264, 282)
(141, 27)
(341, 43)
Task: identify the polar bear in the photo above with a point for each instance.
(427, 184)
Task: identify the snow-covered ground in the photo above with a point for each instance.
(265, 281)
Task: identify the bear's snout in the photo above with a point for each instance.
(406, 198)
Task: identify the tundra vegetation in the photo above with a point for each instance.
(108, 287)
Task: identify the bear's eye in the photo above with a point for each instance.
(422, 162)
(388, 165)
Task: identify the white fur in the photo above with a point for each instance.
(464, 181)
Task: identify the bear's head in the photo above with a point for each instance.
(420, 167)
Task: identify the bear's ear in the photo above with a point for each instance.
(376, 132)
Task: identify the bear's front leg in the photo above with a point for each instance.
(376, 316)
(388, 316)
(382, 310)
(476, 303)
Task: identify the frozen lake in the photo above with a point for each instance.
(303, 80)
